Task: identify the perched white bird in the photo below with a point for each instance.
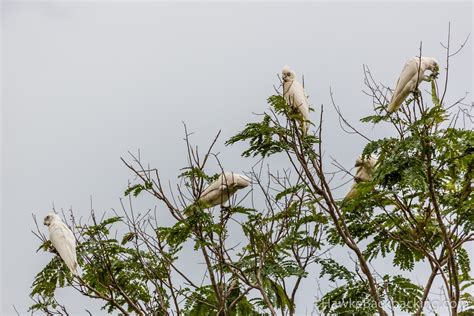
(63, 240)
(410, 78)
(294, 95)
(364, 171)
(219, 191)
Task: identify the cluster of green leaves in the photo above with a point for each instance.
(192, 173)
(54, 274)
(202, 302)
(266, 138)
(352, 298)
(136, 189)
(297, 226)
(274, 261)
(466, 281)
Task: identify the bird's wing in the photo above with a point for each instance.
(64, 242)
(296, 95)
(405, 84)
(286, 91)
(300, 102)
(227, 182)
(215, 193)
(213, 186)
(362, 174)
(408, 72)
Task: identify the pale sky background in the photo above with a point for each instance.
(83, 83)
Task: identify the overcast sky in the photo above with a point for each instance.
(83, 83)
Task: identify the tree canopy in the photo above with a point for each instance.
(417, 207)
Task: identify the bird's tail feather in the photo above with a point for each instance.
(73, 269)
(197, 206)
(392, 107)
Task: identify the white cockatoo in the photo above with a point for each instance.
(364, 171)
(63, 240)
(219, 191)
(294, 95)
(410, 78)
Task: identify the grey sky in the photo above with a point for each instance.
(83, 83)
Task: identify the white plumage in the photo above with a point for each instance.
(63, 240)
(364, 171)
(294, 95)
(219, 191)
(409, 79)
